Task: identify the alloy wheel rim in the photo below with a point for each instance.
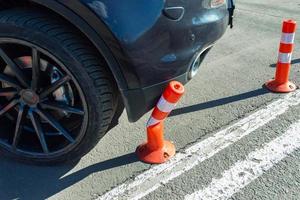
(35, 123)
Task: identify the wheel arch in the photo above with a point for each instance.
(81, 25)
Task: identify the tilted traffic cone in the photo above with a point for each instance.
(157, 150)
(281, 82)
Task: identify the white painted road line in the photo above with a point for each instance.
(159, 175)
(254, 166)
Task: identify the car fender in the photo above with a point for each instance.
(77, 14)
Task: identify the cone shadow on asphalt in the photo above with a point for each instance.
(219, 102)
(295, 61)
(20, 181)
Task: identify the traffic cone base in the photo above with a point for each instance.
(274, 86)
(158, 156)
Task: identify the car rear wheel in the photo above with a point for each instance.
(57, 98)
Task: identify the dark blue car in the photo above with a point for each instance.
(69, 67)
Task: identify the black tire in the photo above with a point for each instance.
(118, 112)
(89, 69)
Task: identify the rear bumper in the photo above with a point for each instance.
(152, 49)
(140, 101)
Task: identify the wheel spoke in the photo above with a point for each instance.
(38, 129)
(51, 120)
(33, 102)
(7, 92)
(53, 133)
(10, 80)
(15, 68)
(61, 107)
(55, 86)
(9, 106)
(35, 69)
(18, 129)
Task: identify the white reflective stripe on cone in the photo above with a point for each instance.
(164, 106)
(287, 38)
(285, 57)
(152, 121)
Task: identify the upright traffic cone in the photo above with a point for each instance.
(157, 150)
(281, 82)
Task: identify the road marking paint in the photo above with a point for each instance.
(159, 175)
(255, 165)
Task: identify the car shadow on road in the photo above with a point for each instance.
(295, 61)
(21, 181)
(219, 102)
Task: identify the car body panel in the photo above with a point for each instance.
(153, 44)
(153, 49)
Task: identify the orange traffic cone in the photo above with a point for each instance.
(157, 150)
(281, 82)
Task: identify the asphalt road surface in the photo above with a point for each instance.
(235, 140)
